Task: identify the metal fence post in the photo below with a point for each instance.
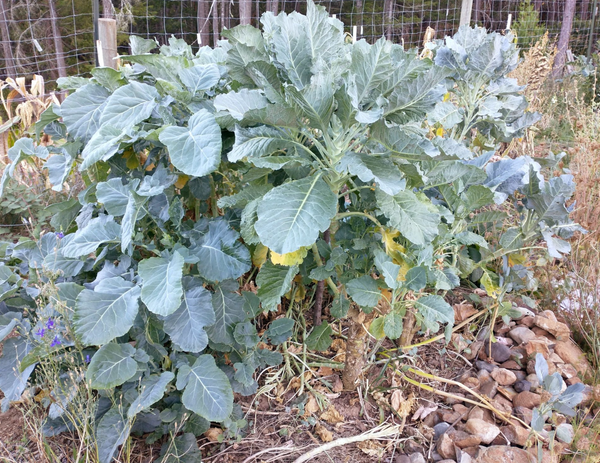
(592, 28)
(96, 16)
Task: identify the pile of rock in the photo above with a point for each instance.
(465, 433)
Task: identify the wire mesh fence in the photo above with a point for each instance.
(56, 37)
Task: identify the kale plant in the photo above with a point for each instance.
(379, 175)
(353, 166)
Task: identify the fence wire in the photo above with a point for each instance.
(56, 37)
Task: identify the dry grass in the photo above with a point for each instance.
(570, 122)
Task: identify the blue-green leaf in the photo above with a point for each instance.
(162, 289)
(320, 337)
(364, 291)
(373, 168)
(182, 449)
(221, 255)
(259, 142)
(186, 325)
(82, 109)
(245, 334)
(113, 195)
(152, 390)
(133, 212)
(111, 366)
(195, 149)
(392, 325)
(280, 330)
(433, 310)
(86, 240)
(340, 306)
(237, 104)
(446, 114)
(129, 105)
(229, 310)
(12, 381)
(409, 216)
(387, 268)
(200, 78)
(207, 390)
(107, 312)
(102, 146)
(273, 282)
(416, 278)
(113, 429)
(292, 215)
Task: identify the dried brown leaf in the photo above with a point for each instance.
(463, 311)
(323, 433)
(371, 448)
(423, 411)
(311, 406)
(332, 416)
(213, 434)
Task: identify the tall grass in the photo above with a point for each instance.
(571, 122)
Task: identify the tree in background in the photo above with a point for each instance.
(563, 39)
(527, 25)
(8, 61)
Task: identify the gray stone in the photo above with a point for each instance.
(440, 429)
(533, 380)
(505, 454)
(504, 377)
(521, 334)
(522, 385)
(489, 389)
(417, 458)
(487, 432)
(445, 446)
(500, 352)
(481, 365)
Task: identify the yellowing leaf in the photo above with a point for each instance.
(290, 259)
(392, 249)
(440, 132)
(300, 293)
(132, 160)
(395, 251)
(259, 256)
(491, 288)
(516, 259)
(404, 268)
(181, 181)
(387, 294)
(376, 328)
(446, 96)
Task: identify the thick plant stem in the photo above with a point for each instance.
(318, 306)
(356, 347)
(408, 330)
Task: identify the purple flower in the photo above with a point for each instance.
(60, 234)
(50, 324)
(55, 342)
(40, 332)
(87, 359)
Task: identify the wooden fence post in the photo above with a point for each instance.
(592, 29)
(107, 42)
(465, 12)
